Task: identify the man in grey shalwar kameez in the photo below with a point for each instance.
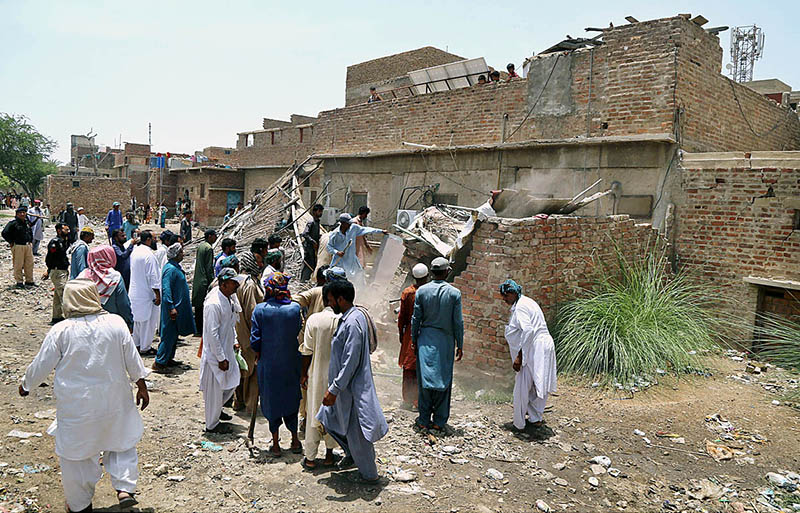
(350, 410)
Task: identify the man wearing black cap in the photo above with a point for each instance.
(203, 275)
(18, 233)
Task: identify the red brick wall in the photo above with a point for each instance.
(551, 258)
(727, 230)
(712, 119)
(631, 80)
(210, 209)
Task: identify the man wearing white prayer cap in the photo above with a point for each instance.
(342, 247)
(408, 357)
(95, 361)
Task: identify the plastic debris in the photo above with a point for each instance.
(718, 452)
(210, 446)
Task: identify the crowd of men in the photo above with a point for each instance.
(302, 360)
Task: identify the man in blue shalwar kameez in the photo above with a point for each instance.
(342, 247)
(273, 336)
(437, 333)
(176, 309)
(350, 410)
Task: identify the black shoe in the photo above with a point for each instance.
(174, 363)
(55, 321)
(224, 416)
(149, 352)
(20, 285)
(220, 429)
(345, 463)
(229, 403)
(30, 284)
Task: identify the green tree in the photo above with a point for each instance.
(24, 153)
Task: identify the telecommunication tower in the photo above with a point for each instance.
(747, 46)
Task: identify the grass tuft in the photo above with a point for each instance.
(638, 321)
(778, 340)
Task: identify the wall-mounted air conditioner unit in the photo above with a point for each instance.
(406, 217)
(330, 216)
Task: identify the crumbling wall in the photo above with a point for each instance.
(95, 194)
(553, 259)
(286, 149)
(735, 220)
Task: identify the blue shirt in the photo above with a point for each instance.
(113, 220)
(350, 379)
(338, 241)
(437, 329)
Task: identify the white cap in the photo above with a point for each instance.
(440, 264)
(419, 271)
(344, 217)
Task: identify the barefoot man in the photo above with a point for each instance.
(532, 351)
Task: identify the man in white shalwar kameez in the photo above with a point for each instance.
(95, 361)
(219, 372)
(316, 350)
(145, 293)
(533, 354)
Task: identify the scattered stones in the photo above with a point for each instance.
(543, 506)
(176, 478)
(594, 481)
(161, 470)
(559, 466)
(560, 481)
(404, 476)
(614, 472)
(493, 473)
(605, 461)
(597, 470)
(16, 433)
(638, 432)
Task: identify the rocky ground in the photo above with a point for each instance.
(600, 451)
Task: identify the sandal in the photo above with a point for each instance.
(298, 449)
(306, 463)
(126, 499)
(336, 460)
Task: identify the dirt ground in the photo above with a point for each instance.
(548, 468)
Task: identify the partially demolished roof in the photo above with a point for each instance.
(278, 209)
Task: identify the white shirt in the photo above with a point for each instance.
(320, 328)
(527, 331)
(219, 336)
(145, 276)
(161, 256)
(82, 221)
(95, 362)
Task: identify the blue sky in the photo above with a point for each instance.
(201, 71)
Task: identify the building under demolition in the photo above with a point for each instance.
(683, 152)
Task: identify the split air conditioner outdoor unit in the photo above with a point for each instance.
(406, 217)
(329, 216)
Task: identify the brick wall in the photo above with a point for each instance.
(95, 194)
(644, 77)
(730, 226)
(551, 258)
(713, 120)
(208, 191)
(142, 150)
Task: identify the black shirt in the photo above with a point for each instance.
(18, 231)
(311, 233)
(69, 218)
(186, 230)
(57, 255)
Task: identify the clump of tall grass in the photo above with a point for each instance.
(778, 340)
(638, 320)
